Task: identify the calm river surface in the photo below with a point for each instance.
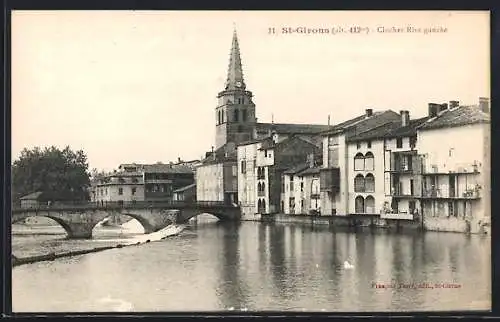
(258, 266)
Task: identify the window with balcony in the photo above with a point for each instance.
(243, 167)
(121, 180)
(135, 180)
(395, 206)
(134, 190)
(120, 191)
(359, 162)
(291, 204)
(369, 161)
(369, 183)
(370, 205)
(359, 183)
(359, 205)
(413, 142)
(260, 173)
(399, 143)
(452, 209)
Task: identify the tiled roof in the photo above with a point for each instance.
(459, 116)
(379, 124)
(285, 128)
(341, 126)
(409, 130)
(124, 174)
(378, 132)
(227, 152)
(130, 165)
(317, 140)
(166, 168)
(267, 143)
(313, 170)
(297, 168)
(185, 188)
(250, 142)
(32, 196)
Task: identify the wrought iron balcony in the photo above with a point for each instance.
(397, 216)
(471, 193)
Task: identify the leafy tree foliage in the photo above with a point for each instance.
(58, 174)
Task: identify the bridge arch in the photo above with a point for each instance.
(148, 228)
(67, 228)
(187, 214)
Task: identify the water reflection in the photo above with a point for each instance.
(265, 267)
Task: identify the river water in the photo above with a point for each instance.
(262, 267)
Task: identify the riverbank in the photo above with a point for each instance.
(81, 247)
(455, 225)
(338, 221)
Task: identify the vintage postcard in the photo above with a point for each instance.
(251, 161)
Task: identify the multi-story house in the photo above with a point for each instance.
(141, 182)
(124, 184)
(351, 178)
(216, 177)
(160, 180)
(300, 193)
(455, 146)
(261, 167)
(402, 181)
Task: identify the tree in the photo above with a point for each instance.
(58, 174)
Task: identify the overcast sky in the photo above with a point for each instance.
(141, 86)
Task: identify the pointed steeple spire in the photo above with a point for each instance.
(235, 71)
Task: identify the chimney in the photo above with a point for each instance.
(433, 109)
(405, 118)
(443, 107)
(454, 104)
(369, 112)
(328, 119)
(484, 104)
(179, 159)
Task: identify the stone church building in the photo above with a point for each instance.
(235, 124)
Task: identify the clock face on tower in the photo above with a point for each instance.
(238, 84)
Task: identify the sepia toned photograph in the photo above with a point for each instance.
(250, 161)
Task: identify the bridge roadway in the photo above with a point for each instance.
(79, 219)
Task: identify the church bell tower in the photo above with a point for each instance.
(235, 112)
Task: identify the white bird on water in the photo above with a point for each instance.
(348, 265)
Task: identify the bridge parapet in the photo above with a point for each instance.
(79, 219)
(115, 205)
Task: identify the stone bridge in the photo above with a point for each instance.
(78, 220)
